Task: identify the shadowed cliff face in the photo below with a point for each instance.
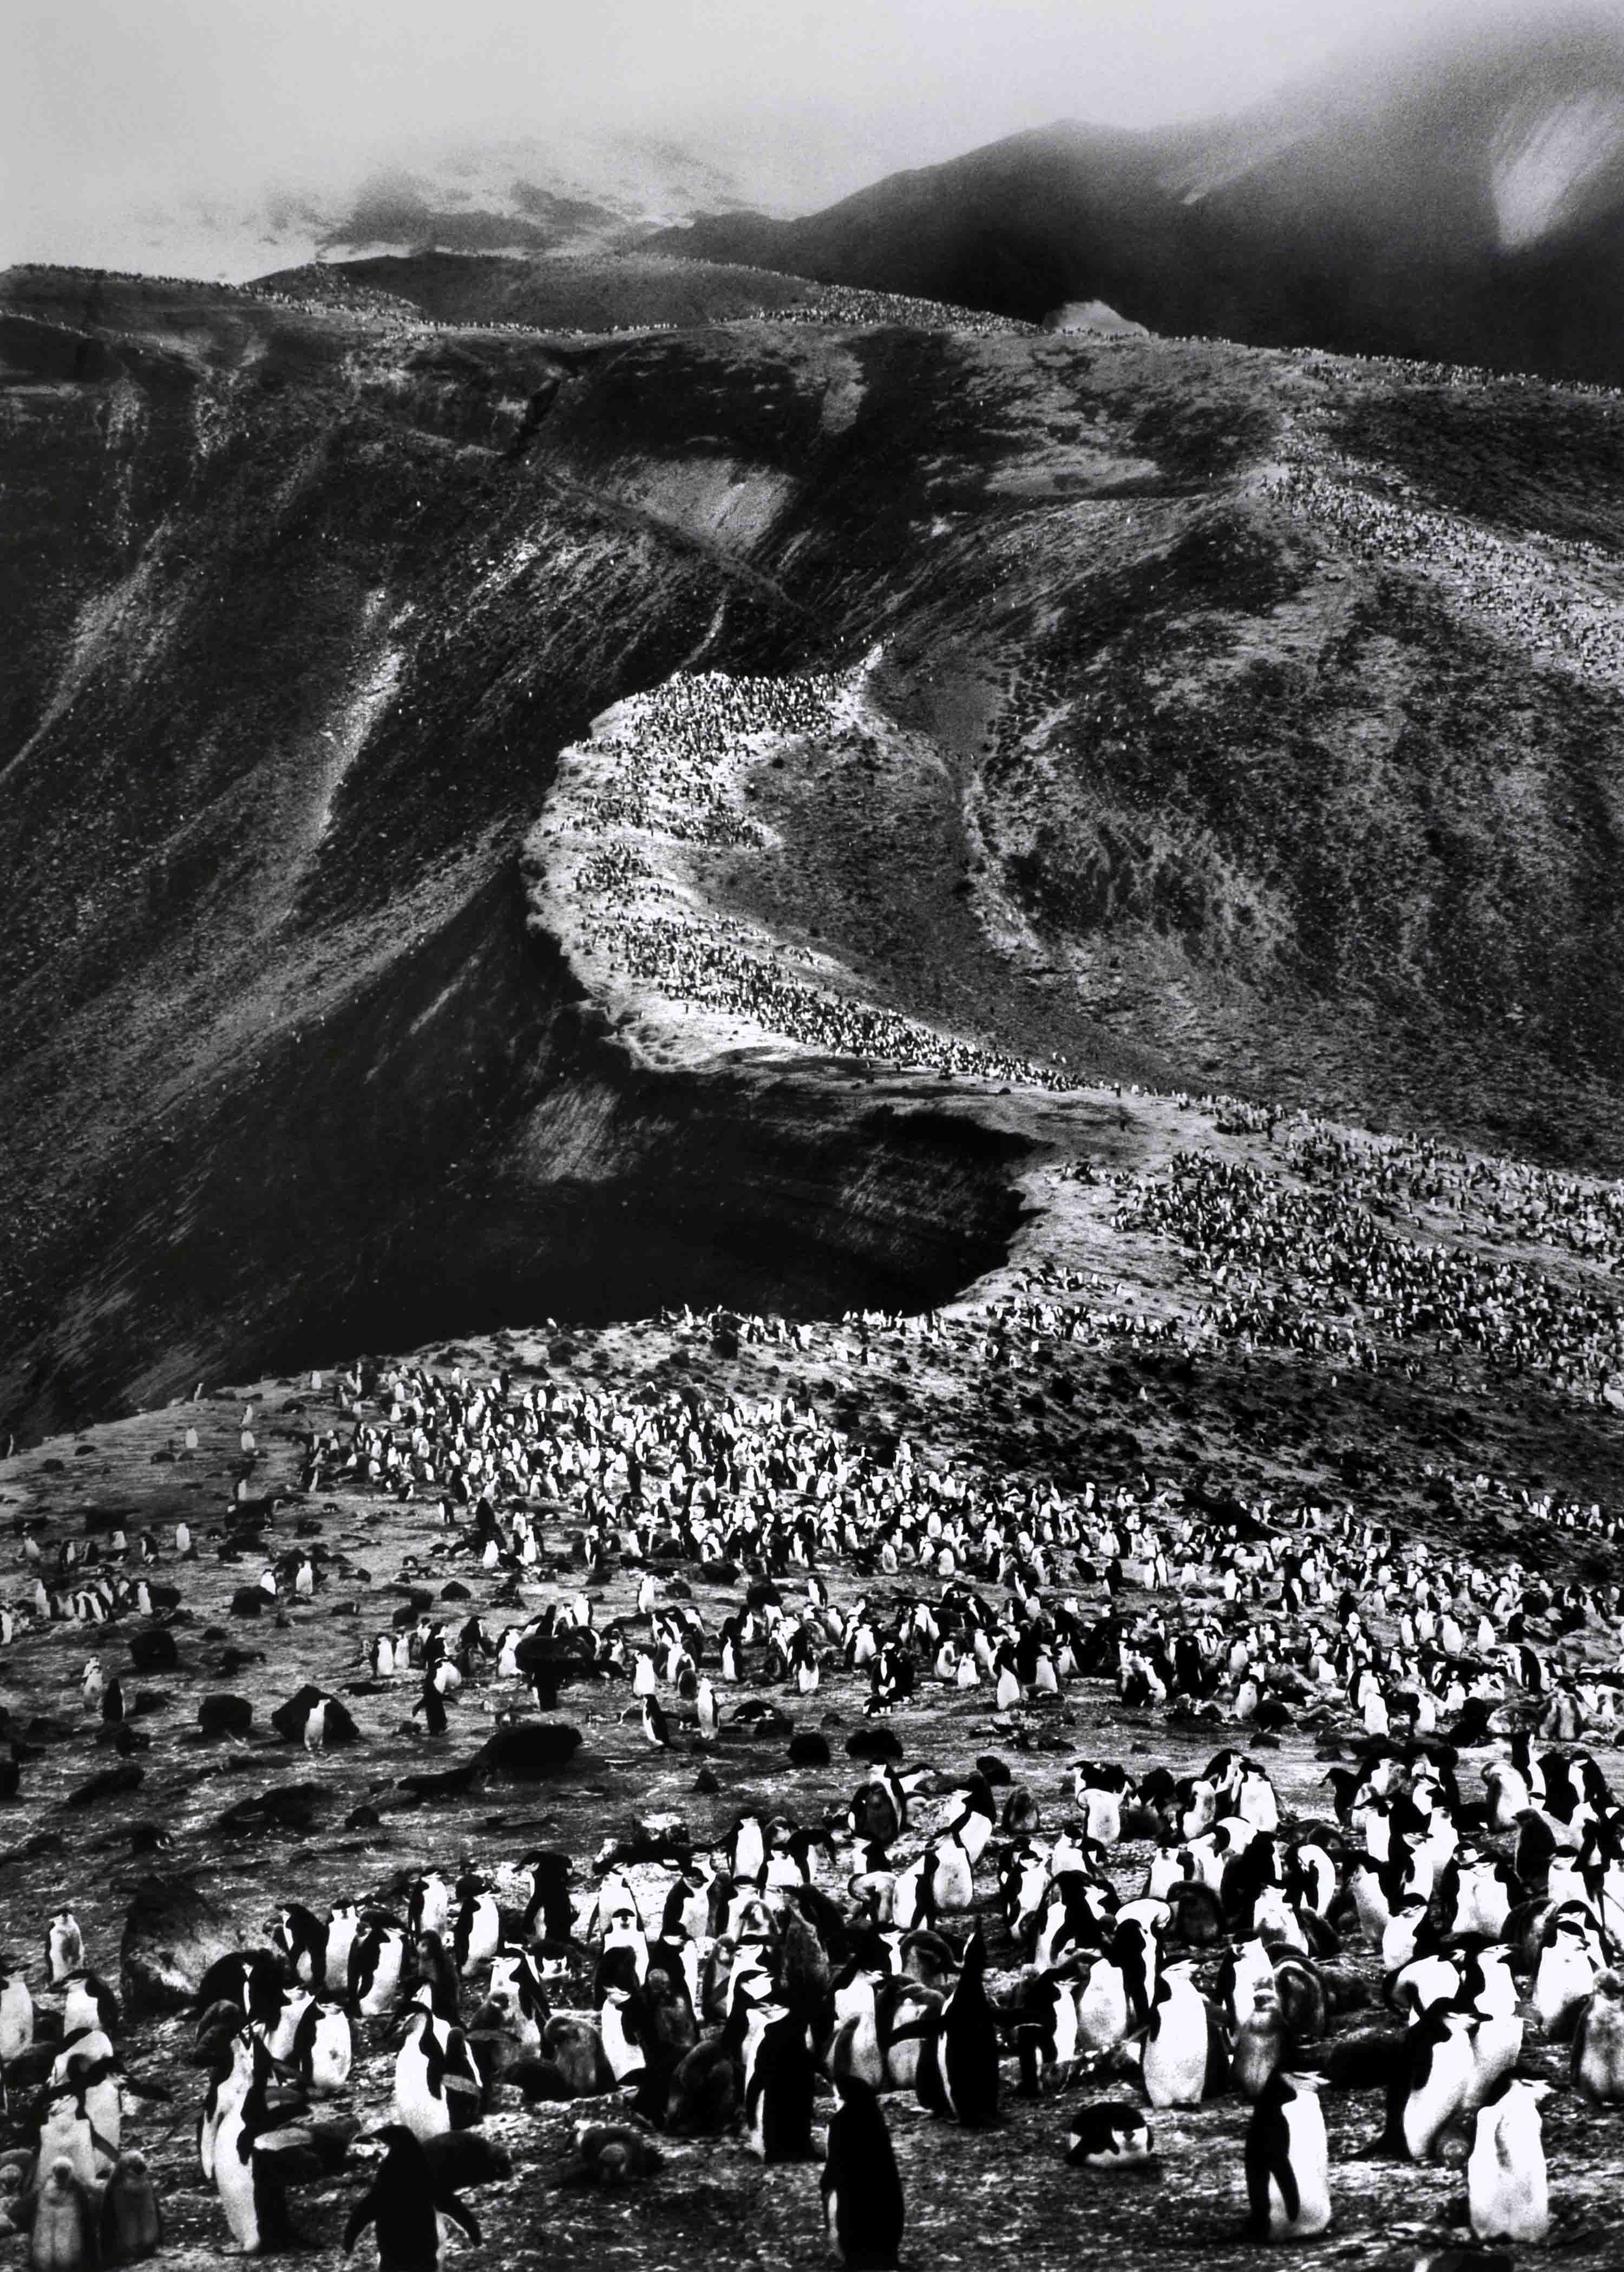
(311, 630)
(1182, 761)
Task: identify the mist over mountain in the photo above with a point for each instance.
(1461, 198)
(530, 193)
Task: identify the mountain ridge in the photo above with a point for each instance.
(1461, 203)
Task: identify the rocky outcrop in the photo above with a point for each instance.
(173, 1932)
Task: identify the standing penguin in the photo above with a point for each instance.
(626, 2024)
(438, 2084)
(63, 2238)
(88, 2002)
(1260, 2045)
(957, 2073)
(16, 2017)
(89, 2070)
(1598, 2059)
(780, 2082)
(250, 2189)
(66, 2134)
(1507, 2191)
(323, 2048)
(405, 2205)
(376, 1956)
(476, 1928)
(301, 1937)
(1288, 2182)
(226, 2089)
(430, 1907)
(1185, 2058)
(131, 2223)
(1441, 2073)
(64, 1948)
(343, 1923)
(862, 2210)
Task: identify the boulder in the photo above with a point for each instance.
(173, 1933)
(529, 1750)
(151, 1649)
(289, 1720)
(225, 1716)
(873, 1742)
(112, 1782)
(289, 1806)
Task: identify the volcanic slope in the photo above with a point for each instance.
(1122, 711)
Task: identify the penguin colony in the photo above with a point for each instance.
(1416, 1945)
(1417, 1942)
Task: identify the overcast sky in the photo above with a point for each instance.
(103, 102)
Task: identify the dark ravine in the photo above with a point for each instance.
(304, 1078)
(463, 1146)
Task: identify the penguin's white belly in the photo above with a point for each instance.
(1104, 1818)
(385, 1981)
(953, 1887)
(1508, 2200)
(1310, 2167)
(234, 2182)
(1429, 2110)
(1175, 2063)
(1175, 2076)
(331, 2054)
(1102, 2008)
(423, 2112)
(106, 2113)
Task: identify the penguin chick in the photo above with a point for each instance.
(131, 2223)
(64, 2237)
(1597, 2057)
(1507, 2191)
(608, 2153)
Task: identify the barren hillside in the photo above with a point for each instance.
(1226, 718)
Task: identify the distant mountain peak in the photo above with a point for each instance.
(1456, 196)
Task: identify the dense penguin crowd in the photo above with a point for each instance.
(665, 775)
(937, 1939)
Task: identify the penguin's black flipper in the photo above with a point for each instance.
(276, 2230)
(460, 2213)
(1268, 2155)
(1411, 2060)
(364, 2213)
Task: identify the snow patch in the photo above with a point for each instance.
(345, 737)
(1546, 158)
